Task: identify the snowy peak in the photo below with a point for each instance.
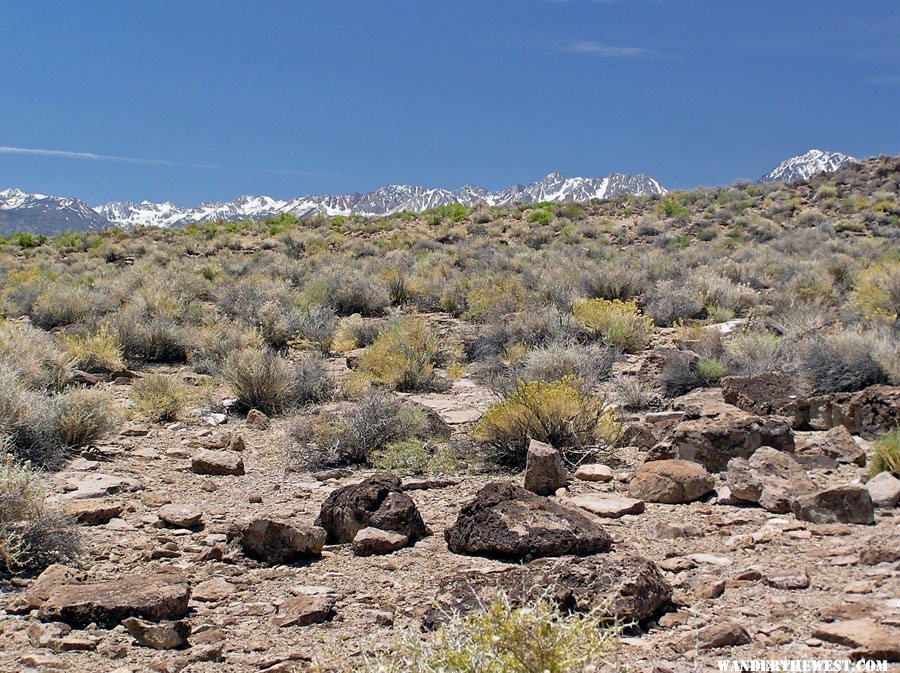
(804, 165)
(46, 214)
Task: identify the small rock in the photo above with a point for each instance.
(235, 443)
(608, 507)
(545, 471)
(884, 488)
(671, 481)
(216, 419)
(180, 516)
(217, 463)
(787, 579)
(667, 530)
(726, 633)
(841, 504)
(165, 635)
(257, 420)
(594, 472)
(871, 640)
(214, 590)
(306, 609)
(336, 473)
(373, 541)
(711, 589)
(83, 485)
(93, 512)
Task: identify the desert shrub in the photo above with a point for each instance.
(712, 370)
(755, 352)
(405, 355)
(876, 292)
(630, 393)
(212, 344)
(841, 362)
(81, 417)
(24, 421)
(367, 427)
(355, 332)
(31, 537)
(415, 456)
(155, 338)
(560, 413)
(671, 302)
(59, 306)
(504, 636)
(492, 297)
(315, 328)
(34, 356)
(591, 364)
(99, 352)
(160, 398)
(349, 291)
(680, 374)
(617, 279)
(534, 328)
(263, 380)
(887, 453)
(618, 323)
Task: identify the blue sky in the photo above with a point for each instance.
(214, 99)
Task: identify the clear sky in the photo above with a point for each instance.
(294, 97)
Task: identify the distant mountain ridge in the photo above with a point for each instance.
(804, 165)
(38, 213)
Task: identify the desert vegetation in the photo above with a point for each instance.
(438, 346)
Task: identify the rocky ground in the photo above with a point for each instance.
(800, 581)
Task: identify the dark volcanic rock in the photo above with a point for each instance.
(767, 394)
(842, 504)
(507, 521)
(376, 502)
(635, 587)
(278, 541)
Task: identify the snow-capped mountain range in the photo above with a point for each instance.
(37, 213)
(804, 165)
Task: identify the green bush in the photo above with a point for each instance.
(503, 637)
(160, 398)
(415, 456)
(876, 292)
(887, 454)
(354, 437)
(560, 413)
(618, 323)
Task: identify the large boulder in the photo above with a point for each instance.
(868, 413)
(714, 440)
(671, 481)
(376, 502)
(767, 394)
(155, 597)
(842, 504)
(545, 471)
(278, 540)
(770, 478)
(626, 588)
(835, 446)
(505, 521)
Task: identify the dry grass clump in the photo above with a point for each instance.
(887, 453)
(358, 434)
(160, 398)
(404, 356)
(98, 352)
(876, 292)
(34, 356)
(31, 537)
(560, 413)
(81, 417)
(840, 362)
(506, 637)
(264, 380)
